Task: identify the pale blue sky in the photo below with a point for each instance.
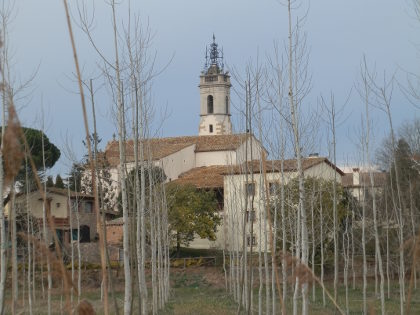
(339, 33)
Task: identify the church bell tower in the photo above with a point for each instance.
(214, 95)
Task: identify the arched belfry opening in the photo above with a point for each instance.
(210, 104)
(214, 94)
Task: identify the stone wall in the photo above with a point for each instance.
(90, 253)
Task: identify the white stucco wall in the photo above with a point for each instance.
(215, 158)
(243, 153)
(235, 205)
(177, 163)
(36, 205)
(324, 171)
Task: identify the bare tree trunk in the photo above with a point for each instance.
(313, 240)
(28, 230)
(14, 251)
(70, 210)
(321, 219)
(387, 247)
(302, 239)
(413, 230)
(364, 253)
(346, 246)
(45, 230)
(33, 266)
(365, 77)
(152, 211)
(3, 244)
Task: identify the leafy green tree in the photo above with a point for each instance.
(192, 212)
(35, 138)
(50, 182)
(318, 192)
(158, 177)
(74, 179)
(59, 182)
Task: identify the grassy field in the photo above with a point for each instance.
(195, 293)
(201, 291)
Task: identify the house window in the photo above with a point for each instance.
(88, 207)
(210, 104)
(57, 205)
(74, 206)
(227, 105)
(211, 128)
(250, 216)
(84, 234)
(251, 240)
(74, 235)
(250, 189)
(274, 188)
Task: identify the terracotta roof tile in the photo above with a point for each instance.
(212, 176)
(204, 177)
(157, 148)
(288, 165)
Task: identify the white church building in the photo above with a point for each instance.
(214, 158)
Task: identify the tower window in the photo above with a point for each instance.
(211, 128)
(227, 105)
(210, 104)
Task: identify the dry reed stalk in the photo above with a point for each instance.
(16, 132)
(12, 148)
(91, 160)
(44, 250)
(302, 271)
(50, 219)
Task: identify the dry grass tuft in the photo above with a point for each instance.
(12, 148)
(85, 308)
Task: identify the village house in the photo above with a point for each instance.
(231, 183)
(214, 160)
(357, 182)
(68, 210)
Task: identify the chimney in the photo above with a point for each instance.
(356, 176)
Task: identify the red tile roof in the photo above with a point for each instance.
(288, 165)
(157, 148)
(204, 177)
(212, 176)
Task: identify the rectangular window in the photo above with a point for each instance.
(74, 235)
(250, 189)
(58, 205)
(88, 207)
(211, 128)
(274, 188)
(74, 206)
(250, 216)
(251, 240)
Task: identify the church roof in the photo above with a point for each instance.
(212, 176)
(157, 148)
(204, 177)
(274, 166)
